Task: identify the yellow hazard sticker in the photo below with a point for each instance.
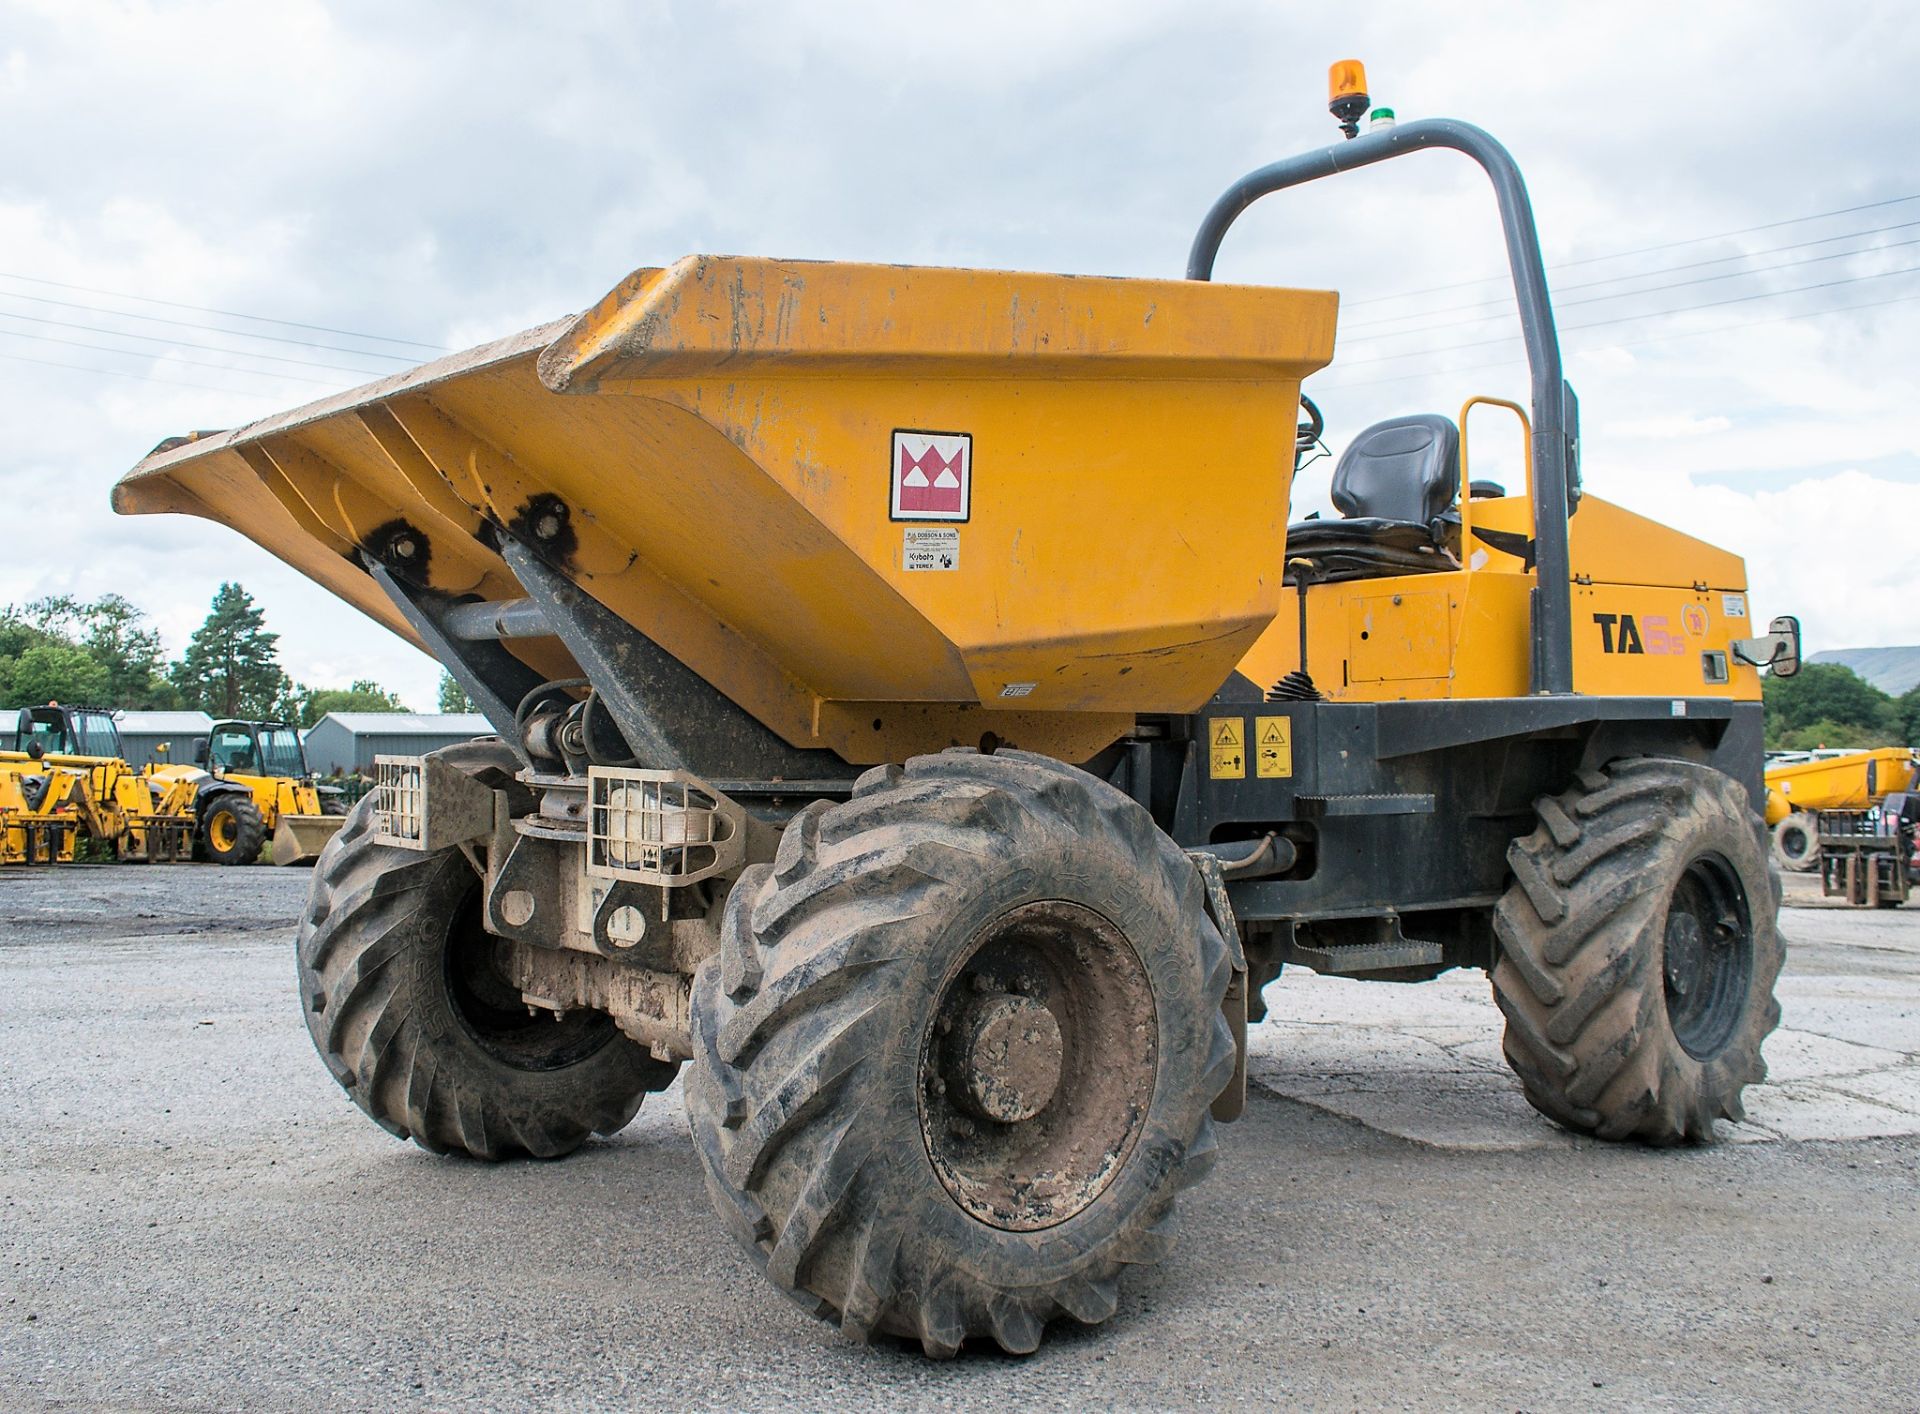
(1273, 746)
(1227, 748)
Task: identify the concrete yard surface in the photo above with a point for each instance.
(192, 1216)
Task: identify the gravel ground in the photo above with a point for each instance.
(194, 1217)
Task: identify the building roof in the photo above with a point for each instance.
(1892, 670)
(163, 723)
(410, 723)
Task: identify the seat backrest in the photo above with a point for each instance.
(1405, 469)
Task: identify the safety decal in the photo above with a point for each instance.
(1273, 747)
(1227, 748)
(929, 548)
(932, 477)
(1733, 606)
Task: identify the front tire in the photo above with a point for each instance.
(954, 1060)
(1639, 953)
(408, 1008)
(232, 830)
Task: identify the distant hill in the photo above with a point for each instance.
(1892, 670)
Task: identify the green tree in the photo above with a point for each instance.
(363, 696)
(121, 640)
(1816, 735)
(1908, 706)
(453, 697)
(1827, 693)
(51, 671)
(232, 666)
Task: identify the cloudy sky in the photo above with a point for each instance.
(1727, 194)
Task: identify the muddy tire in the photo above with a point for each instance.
(1796, 843)
(1639, 952)
(953, 1062)
(408, 1009)
(232, 830)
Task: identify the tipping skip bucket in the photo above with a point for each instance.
(882, 508)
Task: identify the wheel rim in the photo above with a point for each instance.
(490, 1009)
(222, 831)
(1038, 1066)
(1794, 840)
(1707, 956)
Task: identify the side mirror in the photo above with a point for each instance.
(1778, 650)
(199, 751)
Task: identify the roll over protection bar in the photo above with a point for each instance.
(1556, 412)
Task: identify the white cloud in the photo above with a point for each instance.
(451, 173)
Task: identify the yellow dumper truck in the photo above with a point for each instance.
(1801, 785)
(917, 719)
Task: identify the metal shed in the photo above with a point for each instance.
(348, 741)
(143, 734)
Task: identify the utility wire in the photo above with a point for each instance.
(189, 344)
(123, 373)
(1506, 301)
(224, 313)
(209, 328)
(193, 362)
(1656, 289)
(1648, 249)
(1631, 343)
(1650, 314)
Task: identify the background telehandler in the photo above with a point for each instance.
(277, 799)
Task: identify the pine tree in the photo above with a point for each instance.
(453, 697)
(232, 667)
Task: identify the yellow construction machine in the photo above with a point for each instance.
(1800, 785)
(917, 718)
(63, 780)
(255, 784)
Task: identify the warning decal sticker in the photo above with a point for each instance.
(1227, 748)
(1273, 747)
(932, 476)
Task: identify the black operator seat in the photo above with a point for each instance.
(1394, 486)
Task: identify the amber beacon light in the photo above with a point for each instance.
(1347, 94)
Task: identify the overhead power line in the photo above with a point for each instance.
(119, 373)
(191, 362)
(224, 313)
(1505, 302)
(1650, 314)
(1628, 343)
(1648, 249)
(209, 328)
(1656, 289)
(189, 344)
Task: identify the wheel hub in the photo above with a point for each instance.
(1038, 1066)
(1007, 1063)
(1708, 956)
(1685, 945)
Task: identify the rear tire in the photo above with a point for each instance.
(1639, 953)
(953, 1062)
(1796, 843)
(232, 830)
(412, 1016)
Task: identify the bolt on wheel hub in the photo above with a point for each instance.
(1038, 1066)
(1007, 1062)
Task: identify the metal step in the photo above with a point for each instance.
(1358, 959)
